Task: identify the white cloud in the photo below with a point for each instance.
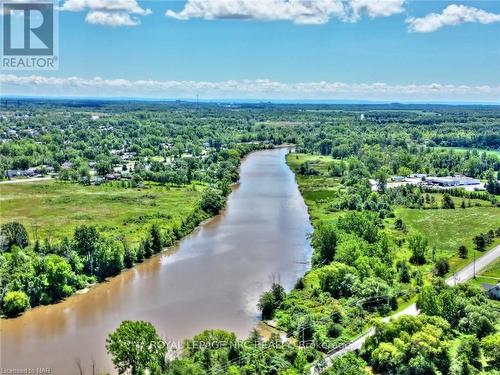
(98, 17)
(108, 12)
(297, 11)
(451, 16)
(376, 8)
(244, 89)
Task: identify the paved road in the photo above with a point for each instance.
(460, 276)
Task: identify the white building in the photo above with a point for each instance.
(452, 181)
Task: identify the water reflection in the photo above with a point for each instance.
(212, 280)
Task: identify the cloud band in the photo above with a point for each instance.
(241, 89)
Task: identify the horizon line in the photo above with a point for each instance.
(252, 100)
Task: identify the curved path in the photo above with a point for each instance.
(459, 277)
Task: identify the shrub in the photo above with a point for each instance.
(462, 252)
(399, 224)
(325, 242)
(418, 246)
(212, 201)
(447, 202)
(441, 267)
(14, 303)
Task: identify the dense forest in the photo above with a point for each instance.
(369, 259)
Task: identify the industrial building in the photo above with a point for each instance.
(452, 181)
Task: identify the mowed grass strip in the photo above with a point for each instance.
(52, 209)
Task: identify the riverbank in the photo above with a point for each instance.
(212, 279)
(363, 261)
(127, 225)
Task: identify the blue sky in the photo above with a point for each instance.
(457, 52)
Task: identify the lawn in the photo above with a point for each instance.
(52, 209)
(448, 229)
(490, 275)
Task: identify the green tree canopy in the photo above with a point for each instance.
(12, 234)
(135, 347)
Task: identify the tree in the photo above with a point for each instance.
(364, 224)
(399, 224)
(140, 254)
(14, 303)
(404, 272)
(212, 201)
(145, 248)
(279, 293)
(463, 252)
(156, 241)
(129, 255)
(269, 301)
(348, 364)
(306, 329)
(135, 347)
(480, 241)
(12, 234)
(86, 239)
(491, 350)
(337, 279)
(324, 241)
(325, 147)
(375, 294)
(409, 345)
(108, 259)
(441, 267)
(418, 247)
(404, 171)
(266, 305)
(103, 167)
(492, 186)
(447, 202)
(469, 353)
(381, 177)
(59, 275)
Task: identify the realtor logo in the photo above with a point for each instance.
(29, 36)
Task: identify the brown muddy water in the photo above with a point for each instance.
(211, 280)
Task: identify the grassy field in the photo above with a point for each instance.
(446, 230)
(464, 149)
(316, 190)
(52, 209)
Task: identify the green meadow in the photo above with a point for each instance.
(316, 190)
(445, 230)
(465, 149)
(52, 209)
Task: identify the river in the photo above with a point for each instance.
(212, 279)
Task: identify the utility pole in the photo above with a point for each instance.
(474, 266)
